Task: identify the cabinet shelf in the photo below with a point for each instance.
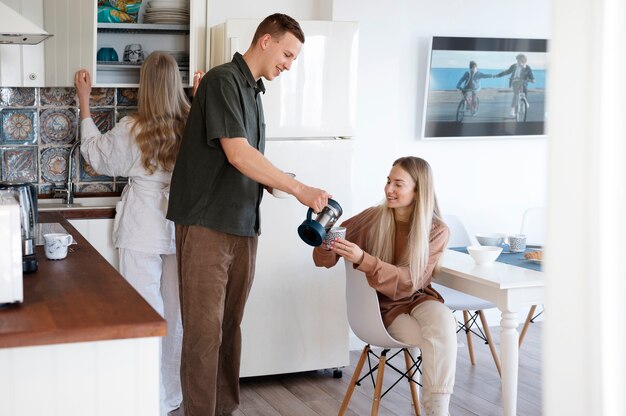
(141, 28)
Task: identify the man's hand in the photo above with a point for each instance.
(314, 198)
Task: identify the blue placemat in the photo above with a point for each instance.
(515, 259)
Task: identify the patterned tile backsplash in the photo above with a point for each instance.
(39, 127)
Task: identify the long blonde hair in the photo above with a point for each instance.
(162, 112)
(382, 234)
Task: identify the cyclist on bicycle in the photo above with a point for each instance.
(521, 75)
(470, 83)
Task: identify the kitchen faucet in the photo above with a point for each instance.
(68, 193)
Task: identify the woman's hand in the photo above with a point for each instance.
(347, 250)
(197, 77)
(82, 82)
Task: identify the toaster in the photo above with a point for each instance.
(11, 283)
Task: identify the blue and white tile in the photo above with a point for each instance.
(127, 97)
(54, 164)
(58, 125)
(120, 113)
(17, 97)
(19, 126)
(19, 164)
(102, 97)
(95, 188)
(104, 118)
(58, 97)
(88, 174)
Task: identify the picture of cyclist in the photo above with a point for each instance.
(470, 84)
(521, 75)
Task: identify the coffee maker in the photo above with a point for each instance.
(26, 196)
(313, 231)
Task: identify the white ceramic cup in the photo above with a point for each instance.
(335, 232)
(517, 243)
(55, 245)
(282, 194)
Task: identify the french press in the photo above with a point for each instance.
(313, 231)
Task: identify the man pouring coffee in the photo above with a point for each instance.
(216, 192)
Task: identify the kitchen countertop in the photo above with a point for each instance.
(79, 299)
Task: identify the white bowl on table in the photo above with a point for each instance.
(484, 255)
(490, 239)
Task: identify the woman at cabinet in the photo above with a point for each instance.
(143, 147)
(398, 245)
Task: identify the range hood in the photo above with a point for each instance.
(15, 29)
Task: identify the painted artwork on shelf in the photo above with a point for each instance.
(485, 87)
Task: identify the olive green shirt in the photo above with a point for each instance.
(206, 189)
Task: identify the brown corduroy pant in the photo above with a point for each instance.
(216, 272)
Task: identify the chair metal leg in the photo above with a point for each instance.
(468, 335)
(353, 381)
(529, 318)
(409, 365)
(492, 347)
(379, 383)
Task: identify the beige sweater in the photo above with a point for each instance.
(396, 292)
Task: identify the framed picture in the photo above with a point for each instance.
(485, 87)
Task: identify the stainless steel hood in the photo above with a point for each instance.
(18, 30)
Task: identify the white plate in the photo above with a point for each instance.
(535, 260)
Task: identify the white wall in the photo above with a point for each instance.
(487, 182)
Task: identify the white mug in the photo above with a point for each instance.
(55, 245)
(282, 194)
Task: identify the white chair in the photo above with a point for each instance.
(533, 226)
(471, 306)
(367, 324)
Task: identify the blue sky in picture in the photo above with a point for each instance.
(447, 67)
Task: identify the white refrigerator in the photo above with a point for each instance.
(295, 318)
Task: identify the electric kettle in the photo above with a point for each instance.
(313, 231)
(26, 196)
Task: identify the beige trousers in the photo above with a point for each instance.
(432, 328)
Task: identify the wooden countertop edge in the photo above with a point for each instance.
(46, 320)
(128, 331)
(87, 214)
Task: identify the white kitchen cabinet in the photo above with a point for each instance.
(78, 36)
(23, 65)
(99, 234)
(111, 377)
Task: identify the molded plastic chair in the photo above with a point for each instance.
(367, 324)
(533, 226)
(471, 306)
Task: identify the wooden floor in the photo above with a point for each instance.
(476, 392)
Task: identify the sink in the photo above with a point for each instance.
(44, 205)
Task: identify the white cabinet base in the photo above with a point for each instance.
(117, 377)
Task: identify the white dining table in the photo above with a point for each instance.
(510, 288)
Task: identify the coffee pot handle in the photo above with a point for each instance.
(308, 214)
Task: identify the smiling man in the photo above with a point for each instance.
(216, 192)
